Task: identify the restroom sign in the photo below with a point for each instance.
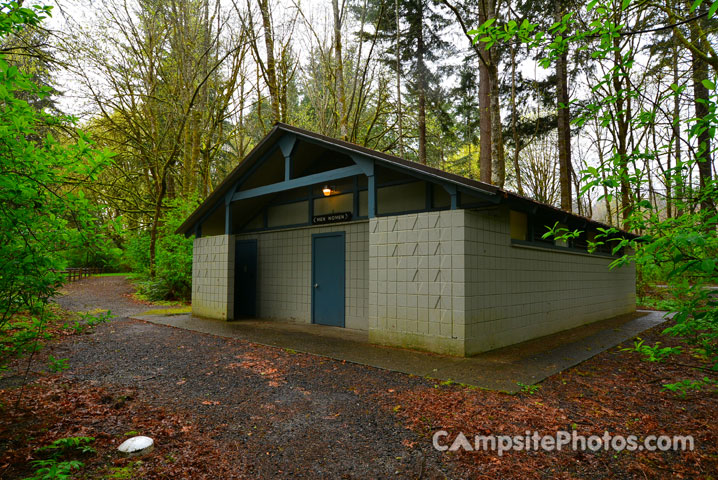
(331, 218)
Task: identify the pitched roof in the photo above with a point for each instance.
(280, 129)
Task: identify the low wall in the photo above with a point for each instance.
(213, 277)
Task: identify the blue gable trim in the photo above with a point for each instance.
(299, 182)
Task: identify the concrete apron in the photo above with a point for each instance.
(504, 369)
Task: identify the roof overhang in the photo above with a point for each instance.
(283, 137)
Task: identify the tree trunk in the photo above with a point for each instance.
(622, 124)
(271, 73)
(514, 119)
(421, 70)
(498, 161)
(155, 223)
(400, 120)
(341, 96)
(564, 121)
(484, 105)
(699, 71)
(676, 134)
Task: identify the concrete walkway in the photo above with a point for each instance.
(503, 369)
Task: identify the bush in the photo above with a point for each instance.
(136, 256)
(174, 252)
(173, 261)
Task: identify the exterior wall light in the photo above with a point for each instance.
(327, 190)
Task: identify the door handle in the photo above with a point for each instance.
(316, 285)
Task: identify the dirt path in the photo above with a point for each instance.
(106, 293)
(280, 414)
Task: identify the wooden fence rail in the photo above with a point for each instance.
(79, 273)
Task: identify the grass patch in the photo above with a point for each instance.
(168, 311)
(118, 274)
(653, 303)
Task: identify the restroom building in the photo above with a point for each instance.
(312, 229)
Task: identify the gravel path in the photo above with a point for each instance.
(282, 414)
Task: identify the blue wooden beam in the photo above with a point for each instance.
(306, 181)
(355, 198)
(286, 144)
(366, 164)
(371, 194)
(311, 205)
(451, 189)
(228, 219)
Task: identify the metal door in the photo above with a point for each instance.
(328, 269)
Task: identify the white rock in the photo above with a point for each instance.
(137, 446)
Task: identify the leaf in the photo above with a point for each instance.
(707, 83)
(712, 10)
(708, 265)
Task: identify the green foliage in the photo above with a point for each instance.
(22, 336)
(528, 389)
(684, 386)
(136, 253)
(680, 249)
(44, 213)
(56, 365)
(52, 469)
(173, 270)
(59, 465)
(101, 253)
(654, 353)
(64, 446)
(88, 321)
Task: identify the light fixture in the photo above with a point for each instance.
(327, 190)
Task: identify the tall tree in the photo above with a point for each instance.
(162, 102)
(341, 95)
(420, 44)
(563, 118)
(491, 154)
(269, 68)
(699, 73)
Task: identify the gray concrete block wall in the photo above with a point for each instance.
(213, 277)
(516, 293)
(449, 282)
(285, 272)
(416, 281)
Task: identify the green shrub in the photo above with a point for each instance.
(136, 255)
(173, 261)
(174, 254)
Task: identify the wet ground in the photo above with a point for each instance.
(281, 413)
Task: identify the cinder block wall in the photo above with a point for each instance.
(285, 272)
(517, 293)
(213, 277)
(416, 281)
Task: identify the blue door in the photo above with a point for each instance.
(245, 278)
(328, 279)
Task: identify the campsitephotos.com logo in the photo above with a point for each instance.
(561, 440)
